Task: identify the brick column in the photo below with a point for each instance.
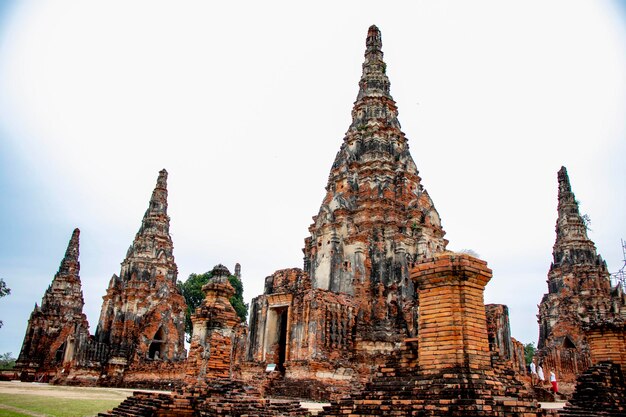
(452, 324)
(607, 342)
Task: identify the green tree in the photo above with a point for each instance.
(7, 361)
(192, 291)
(529, 352)
(4, 290)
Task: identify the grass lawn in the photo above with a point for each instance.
(52, 406)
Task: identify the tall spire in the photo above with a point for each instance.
(66, 286)
(158, 201)
(59, 319)
(374, 81)
(572, 244)
(153, 238)
(69, 263)
(376, 218)
(374, 102)
(146, 291)
(156, 220)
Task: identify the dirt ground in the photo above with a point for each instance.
(87, 393)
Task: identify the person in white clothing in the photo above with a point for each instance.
(533, 372)
(540, 374)
(555, 385)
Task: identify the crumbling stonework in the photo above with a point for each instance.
(601, 389)
(211, 389)
(216, 330)
(578, 290)
(353, 303)
(220, 398)
(501, 343)
(143, 312)
(453, 375)
(57, 327)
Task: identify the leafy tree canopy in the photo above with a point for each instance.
(192, 291)
(3, 291)
(7, 361)
(3, 288)
(529, 352)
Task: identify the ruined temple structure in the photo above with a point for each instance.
(448, 369)
(327, 327)
(211, 390)
(57, 326)
(218, 334)
(142, 320)
(579, 289)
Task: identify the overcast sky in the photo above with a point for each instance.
(246, 104)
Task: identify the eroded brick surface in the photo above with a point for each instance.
(58, 326)
(579, 289)
(452, 374)
(501, 343)
(353, 303)
(143, 312)
(216, 328)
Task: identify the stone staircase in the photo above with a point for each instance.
(142, 404)
(219, 398)
(399, 389)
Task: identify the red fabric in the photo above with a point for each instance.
(555, 387)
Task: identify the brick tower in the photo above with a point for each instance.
(579, 289)
(55, 327)
(143, 312)
(376, 219)
(354, 301)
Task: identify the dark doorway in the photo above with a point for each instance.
(282, 339)
(60, 353)
(155, 350)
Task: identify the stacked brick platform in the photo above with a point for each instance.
(600, 391)
(221, 397)
(455, 376)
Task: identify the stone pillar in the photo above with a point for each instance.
(452, 325)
